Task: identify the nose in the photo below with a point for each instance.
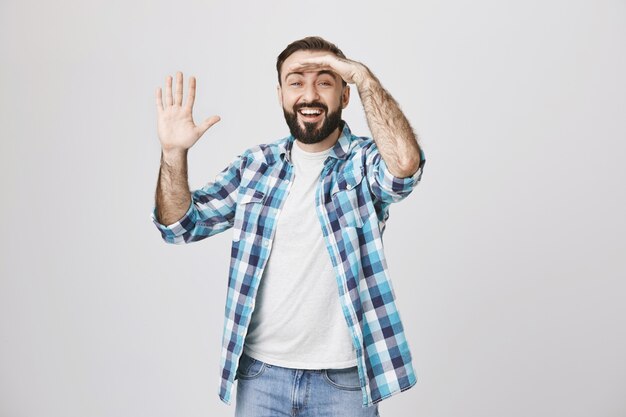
(310, 93)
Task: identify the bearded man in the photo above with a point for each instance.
(311, 325)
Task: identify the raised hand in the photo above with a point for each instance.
(350, 71)
(176, 128)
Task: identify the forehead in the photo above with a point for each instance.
(297, 56)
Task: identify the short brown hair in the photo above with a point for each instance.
(310, 43)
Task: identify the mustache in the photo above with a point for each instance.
(313, 104)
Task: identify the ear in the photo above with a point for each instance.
(345, 96)
(279, 92)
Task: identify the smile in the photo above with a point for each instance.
(310, 114)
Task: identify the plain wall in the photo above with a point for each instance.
(507, 259)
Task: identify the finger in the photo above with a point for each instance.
(316, 61)
(308, 64)
(208, 123)
(168, 90)
(159, 99)
(191, 97)
(303, 67)
(178, 100)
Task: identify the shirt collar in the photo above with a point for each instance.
(338, 151)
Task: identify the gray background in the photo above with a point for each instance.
(507, 259)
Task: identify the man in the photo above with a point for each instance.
(311, 324)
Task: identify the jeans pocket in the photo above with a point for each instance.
(345, 378)
(249, 368)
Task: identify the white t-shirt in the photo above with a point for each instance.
(297, 321)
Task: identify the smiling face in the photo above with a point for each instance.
(312, 101)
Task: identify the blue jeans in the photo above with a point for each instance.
(265, 390)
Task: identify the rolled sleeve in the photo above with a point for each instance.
(174, 232)
(211, 211)
(384, 185)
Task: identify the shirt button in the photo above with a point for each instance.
(348, 186)
(266, 242)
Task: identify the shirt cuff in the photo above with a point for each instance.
(173, 232)
(399, 185)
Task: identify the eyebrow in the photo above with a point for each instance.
(322, 72)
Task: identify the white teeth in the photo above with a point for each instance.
(309, 112)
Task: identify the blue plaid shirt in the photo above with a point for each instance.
(352, 201)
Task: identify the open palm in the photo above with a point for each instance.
(176, 128)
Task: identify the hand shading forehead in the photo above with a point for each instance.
(297, 57)
(318, 73)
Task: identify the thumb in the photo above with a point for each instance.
(204, 126)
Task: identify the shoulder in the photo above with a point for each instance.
(266, 153)
(361, 150)
(361, 144)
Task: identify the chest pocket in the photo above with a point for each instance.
(348, 198)
(251, 195)
(250, 203)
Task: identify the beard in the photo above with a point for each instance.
(310, 134)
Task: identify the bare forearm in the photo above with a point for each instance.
(390, 129)
(172, 193)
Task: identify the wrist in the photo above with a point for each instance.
(173, 155)
(364, 79)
